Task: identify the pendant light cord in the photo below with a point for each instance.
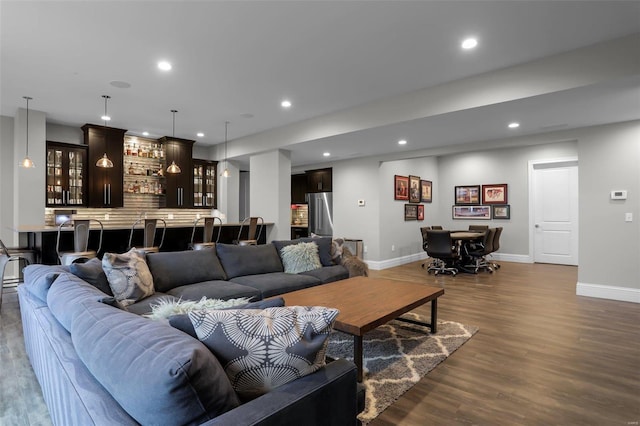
(27, 98)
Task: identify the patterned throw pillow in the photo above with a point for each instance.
(300, 257)
(263, 349)
(128, 275)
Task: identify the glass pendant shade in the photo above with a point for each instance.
(26, 162)
(104, 162)
(173, 167)
(226, 173)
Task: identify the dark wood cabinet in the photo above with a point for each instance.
(204, 184)
(66, 174)
(320, 180)
(179, 186)
(298, 188)
(105, 184)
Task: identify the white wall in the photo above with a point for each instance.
(6, 180)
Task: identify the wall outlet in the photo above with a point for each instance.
(366, 249)
(197, 215)
(393, 247)
(106, 216)
(170, 216)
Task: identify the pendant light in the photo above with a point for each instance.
(174, 168)
(26, 162)
(105, 162)
(225, 173)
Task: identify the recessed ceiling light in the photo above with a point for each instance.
(200, 134)
(402, 142)
(120, 84)
(469, 43)
(514, 125)
(326, 154)
(164, 66)
(286, 103)
(105, 118)
(145, 133)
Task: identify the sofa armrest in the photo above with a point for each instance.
(326, 397)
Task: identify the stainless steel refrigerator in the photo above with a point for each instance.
(320, 213)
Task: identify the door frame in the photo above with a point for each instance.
(565, 161)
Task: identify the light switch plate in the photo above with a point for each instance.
(628, 217)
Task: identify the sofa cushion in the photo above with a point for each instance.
(38, 278)
(91, 271)
(214, 290)
(183, 323)
(300, 258)
(277, 283)
(178, 268)
(157, 374)
(323, 243)
(128, 275)
(66, 295)
(248, 260)
(263, 349)
(143, 307)
(328, 274)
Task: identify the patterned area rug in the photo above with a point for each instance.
(397, 355)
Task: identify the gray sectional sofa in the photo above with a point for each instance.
(98, 364)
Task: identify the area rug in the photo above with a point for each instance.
(397, 355)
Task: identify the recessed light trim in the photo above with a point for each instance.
(286, 103)
(200, 134)
(145, 133)
(514, 125)
(164, 65)
(326, 154)
(105, 118)
(402, 142)
(469, 43)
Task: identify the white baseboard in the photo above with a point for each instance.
(517, 258)
(624, 294)
(378, 265)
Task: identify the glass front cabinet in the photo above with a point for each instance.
(66, 174)
(204, 183)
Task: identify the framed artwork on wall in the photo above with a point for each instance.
(425, 191)
(420, 211)
(494, 194)
(501, 211)
(411, 212)
(468, 194)
(414, 189)
(400, 187)
(472, 212)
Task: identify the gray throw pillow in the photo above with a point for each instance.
(263, 349)
(92, 272)
(301, 257)
(128, 275)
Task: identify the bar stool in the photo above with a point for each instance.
(255, 223)
(81, 252)
(149, 237)
(207, 233)
(24, 257)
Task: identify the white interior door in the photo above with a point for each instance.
(555, 212)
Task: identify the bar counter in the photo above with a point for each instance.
(116, 237)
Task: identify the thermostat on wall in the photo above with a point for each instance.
(619, 195)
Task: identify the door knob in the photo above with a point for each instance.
(537, 226)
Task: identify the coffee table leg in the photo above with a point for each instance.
(357, 355)
(434, 315)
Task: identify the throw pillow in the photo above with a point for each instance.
(301, 257)
(167, 307)
(263, 349)
(129, 277)
(92, 272)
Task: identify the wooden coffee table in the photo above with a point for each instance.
(366, 303)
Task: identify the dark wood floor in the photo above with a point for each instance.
(543, 356)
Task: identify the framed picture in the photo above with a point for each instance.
(420, 211)
(400, 187)
(501, 212)
(414, 189)
(425, 191)
(494, 194)
(411, 212)
(472, 212)
(467, 194)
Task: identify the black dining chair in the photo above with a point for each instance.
(496, 247)
(478, 252)
(423, 232)
(440, 246)
(478, 227)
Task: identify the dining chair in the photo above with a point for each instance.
(207, 233)
(24, 257)
(437, 227)
(496, 246)
(478, 227)
(440, 246)
(478, 252)
(434, 262)
(255, 225)
(149, 235)
(81, 252)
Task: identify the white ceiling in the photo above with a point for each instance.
(238, 58)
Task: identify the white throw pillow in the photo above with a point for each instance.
(300, 257)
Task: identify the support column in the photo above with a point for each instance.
(228, 192)
(270, 190)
